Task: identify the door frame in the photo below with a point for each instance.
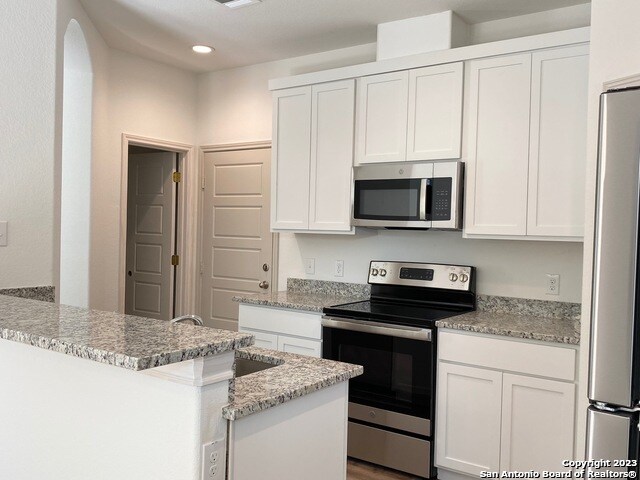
(187, 278)
(275, 244)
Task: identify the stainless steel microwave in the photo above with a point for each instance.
(418, 195)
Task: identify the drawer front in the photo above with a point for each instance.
(300, 346)
(263, 339)
(280, 321)
(508, 355)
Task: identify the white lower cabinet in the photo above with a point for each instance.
(285, 330)
(468, 422)
(537, 423)
(495, 413)
(301, 346)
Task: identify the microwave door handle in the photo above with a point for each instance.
(423, 199)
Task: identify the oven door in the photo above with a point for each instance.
(398, 361)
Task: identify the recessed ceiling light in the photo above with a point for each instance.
(202, 49)
(238, 3)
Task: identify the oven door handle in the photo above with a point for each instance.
(399, 331)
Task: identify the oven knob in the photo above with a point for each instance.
(383, 272)
(464, 277)
(374, 272)
(453, 277)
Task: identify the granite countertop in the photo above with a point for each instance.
(311, 302)
(293, 377)
(309, 295)
(134, 343)
(556, 322)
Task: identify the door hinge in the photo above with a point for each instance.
(204, 181)
(177, 177)
(175, 260)
(201, 268)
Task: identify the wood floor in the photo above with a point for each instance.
(357, 470)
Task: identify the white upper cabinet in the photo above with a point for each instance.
(526, 145)
(410, 115)
(313, 157)
(498, 148)
(291, 159)
(559, 89)
(435, 112)
(382, 118)
(332, 125)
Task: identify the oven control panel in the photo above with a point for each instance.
(452, 277)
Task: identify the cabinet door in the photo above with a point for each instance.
(332, 125)
(468, 418)
(291, 158)
(300, 346)
(558, 146)
(435, 112)
(263, 339)
(537, 423)
(498, 145)
(382, 118)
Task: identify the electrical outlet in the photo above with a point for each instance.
(213, 460)
(338, 268)
(310, 266)
(553, 284)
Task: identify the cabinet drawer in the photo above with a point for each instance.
(263, 339)
(300, 346)
(508, 355)
(276, 320)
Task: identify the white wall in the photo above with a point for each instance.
(75, 188)
(542, 22)
(615, 43)
(27, 109)
(73, 419)
(235, 106)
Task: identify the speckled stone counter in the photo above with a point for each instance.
(293, 377)
(134, 343)
(557, 322)
(45, 294)
(309, 295)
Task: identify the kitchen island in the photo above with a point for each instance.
(142, 398)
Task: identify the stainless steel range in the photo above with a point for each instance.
(393, 335)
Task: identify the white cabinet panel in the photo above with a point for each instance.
(435, 112)
(332, 125)
(382, 118)
(537, 423)
(468, 418)
(291, 159)
(498, 150)
(263, 339)
(301, 346)
(560, 79)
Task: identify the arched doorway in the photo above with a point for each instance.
(75, 205)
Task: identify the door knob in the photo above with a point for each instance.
(129, 273)
(264, 284)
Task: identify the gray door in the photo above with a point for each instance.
(151, 206)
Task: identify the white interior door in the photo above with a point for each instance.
(237, 242)
(151, 202)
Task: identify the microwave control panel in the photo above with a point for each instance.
(441, 198)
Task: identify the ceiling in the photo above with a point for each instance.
(165, 30)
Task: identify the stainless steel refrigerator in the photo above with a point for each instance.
(614, 372)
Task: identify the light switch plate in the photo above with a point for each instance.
(3, 234)
(310, 266)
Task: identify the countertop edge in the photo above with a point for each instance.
(466, 327)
